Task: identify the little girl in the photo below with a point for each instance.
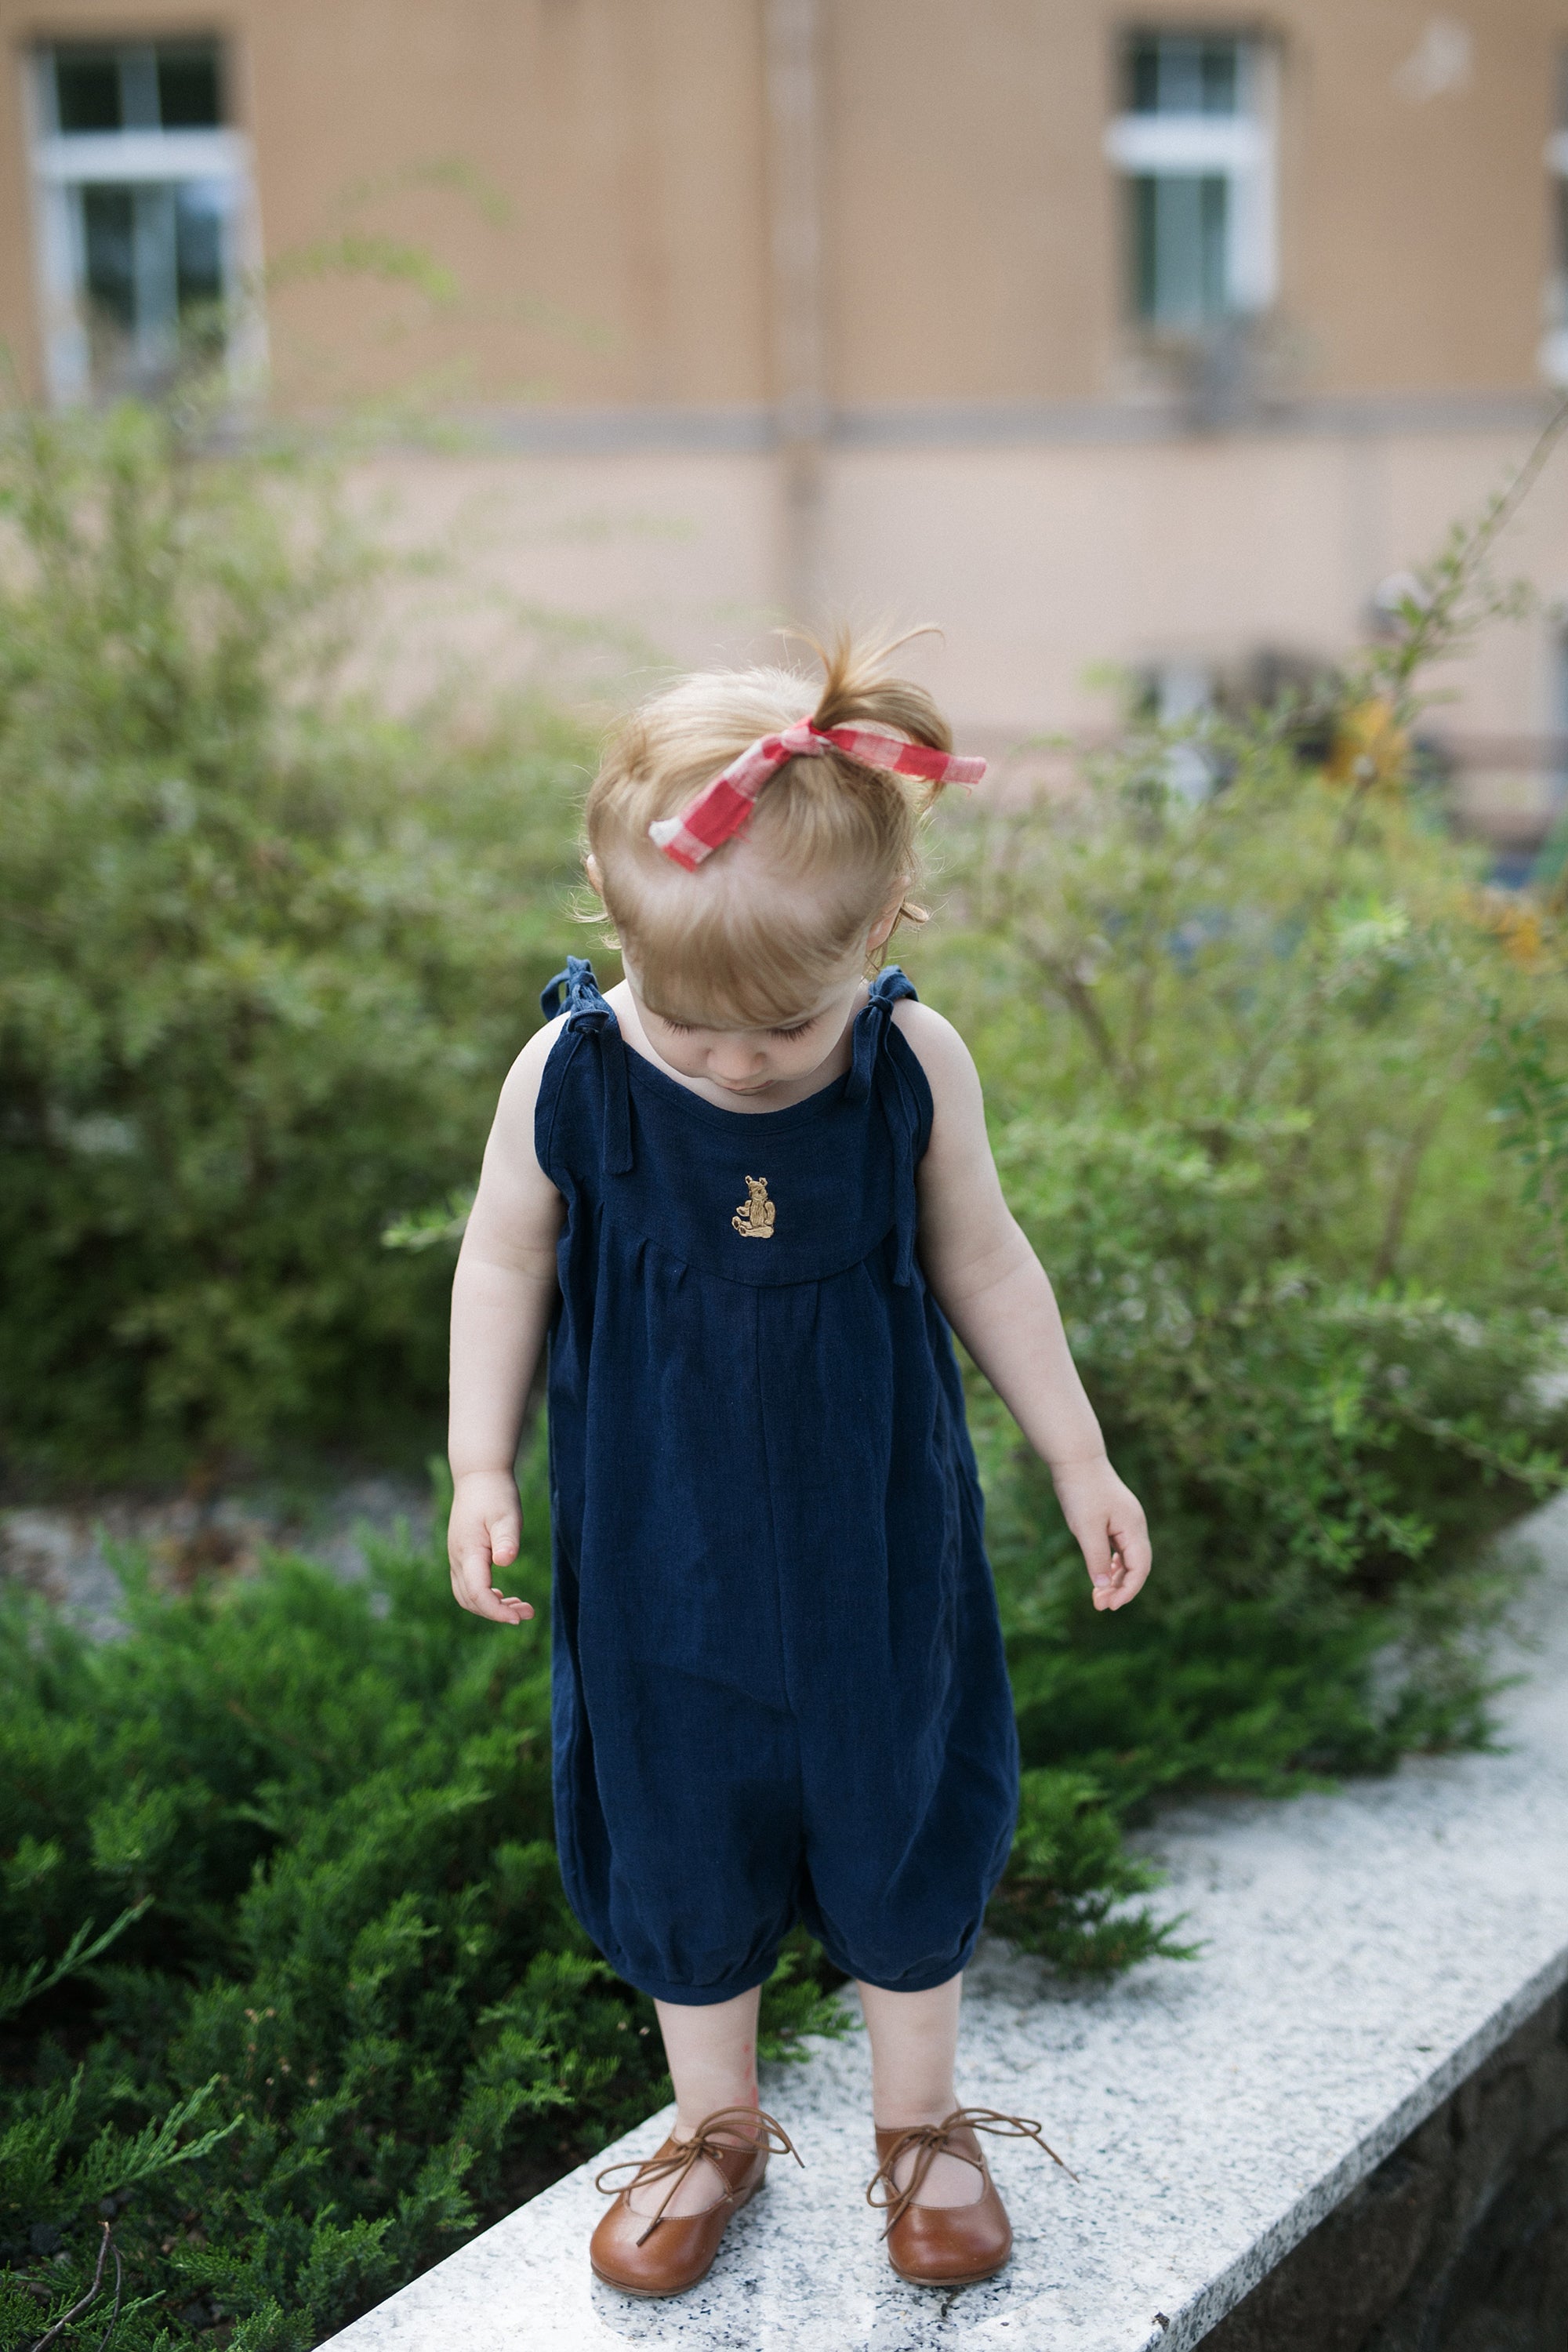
(747, 1196)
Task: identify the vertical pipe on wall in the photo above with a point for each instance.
(800, 408)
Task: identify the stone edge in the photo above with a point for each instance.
(1204, 2310)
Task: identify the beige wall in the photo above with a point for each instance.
(612, 244)
(610, 247)
(1417, 235)
(971, 235)
(1042, 564)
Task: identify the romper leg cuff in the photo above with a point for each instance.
(922, 1979)
(698, 1996)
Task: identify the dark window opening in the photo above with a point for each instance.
(1183, 73)
(109, 226)
(188, 89)
(87, 90)
(171, 86)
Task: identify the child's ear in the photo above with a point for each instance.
(591, 867)
(881, 930)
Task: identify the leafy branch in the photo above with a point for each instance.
(19, 1986)
(1452, 595)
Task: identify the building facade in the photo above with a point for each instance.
(1134, 341)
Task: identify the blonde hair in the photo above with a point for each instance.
(758, 932)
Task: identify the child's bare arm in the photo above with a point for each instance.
(502, 1299)
(995, 1294)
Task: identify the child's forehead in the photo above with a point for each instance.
(712, 1015)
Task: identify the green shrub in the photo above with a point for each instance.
(322, 1814)
(265, 956)
(1272, 1084)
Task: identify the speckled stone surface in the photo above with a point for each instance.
(1363, 1953)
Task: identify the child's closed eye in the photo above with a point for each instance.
(798, 1029)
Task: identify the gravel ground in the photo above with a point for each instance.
(65, 1552)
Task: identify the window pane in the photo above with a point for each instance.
(1145, 286)
(154, 263)
(1179, 221)
(108, 216)
(187, 88)
(198, 243)
(87, 90)
(1183, 73)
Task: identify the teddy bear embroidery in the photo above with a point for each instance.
(753, 1219)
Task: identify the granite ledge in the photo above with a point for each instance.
(1363, 1954)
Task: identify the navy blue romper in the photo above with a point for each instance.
(779, 1691)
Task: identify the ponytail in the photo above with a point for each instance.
(858, 689)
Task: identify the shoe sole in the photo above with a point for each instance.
(668, 2294)
(950, 2278)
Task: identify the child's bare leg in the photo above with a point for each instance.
(712, 2055)
(914, 2039)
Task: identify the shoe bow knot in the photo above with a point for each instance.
(762, 2134)
(928, 2141)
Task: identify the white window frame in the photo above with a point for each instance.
(1242, 148)
(65, 162)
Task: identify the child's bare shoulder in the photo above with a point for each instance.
(513, 1126)
(939, 1049)
(524, 1077)
(949, 1065)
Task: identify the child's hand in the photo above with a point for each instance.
(483, 1534)
(1107, 1520)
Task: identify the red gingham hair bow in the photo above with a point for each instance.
(722, 808)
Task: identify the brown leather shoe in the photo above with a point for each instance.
(947, 2245)
(662, 2253)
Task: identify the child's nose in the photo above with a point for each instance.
(737, 1061)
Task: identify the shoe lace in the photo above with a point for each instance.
(928, 2141)
(763, 2134)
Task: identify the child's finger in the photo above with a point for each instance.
(506, 1534)
(522, 1608)
(1135, 1558)
(1130, 1537)
(1094, 1542)
(472, 1586)
(1127, 1591)
(488, 1601)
